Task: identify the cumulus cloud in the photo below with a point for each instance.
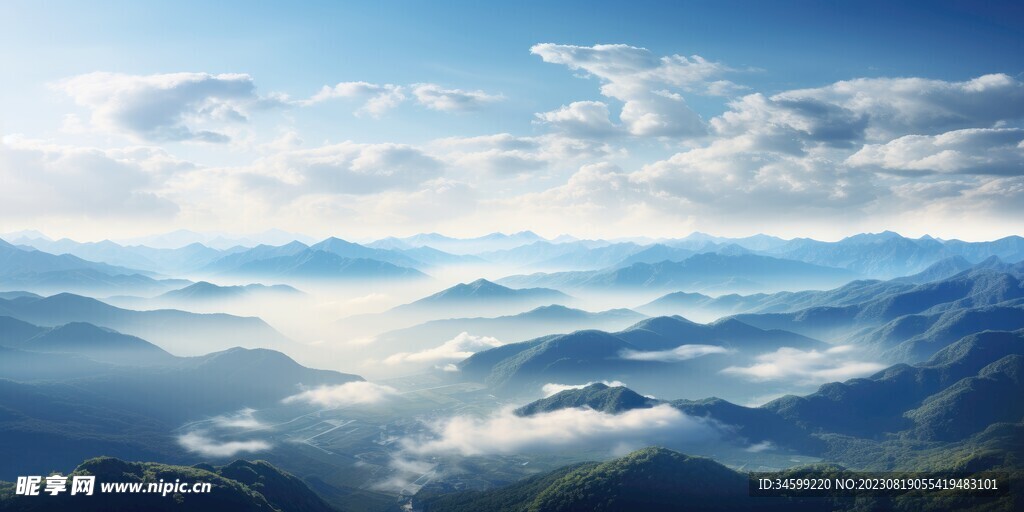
(806, 367)
(554, 388)
(172, 106)
(644, 83)
(680, 353)
(506, 155)
(878, 109)
(455, 349)
(343, 168)
(435, 97)
(377, 98)
(199, 443)
(344, 395)
(41, 179)
(588, 119)
(504, 432)
(996, 151)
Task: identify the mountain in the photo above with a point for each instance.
(14, 332)
(460, 246)
(349, 250)
(241, 485)
(509, 328)
(30, 269)
(318, 264)
(180, 332)
(878, 404)
(941, 269)
(481, 296)
(599, 397)
(664, 356)
(706, 270)
(435, 258)
(652, 479)
(888, 255)
(204, 291)
(974, 288)
(974, 403)
(656, 253)
(533, 254)
(219, 241)
(97, 344)
(697, 304)
(25, 366)
(167, 261)
(583, 256)
(916, 337)
(15, 261)
(65, 408)
(260, 252)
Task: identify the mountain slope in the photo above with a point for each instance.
(98, 344)
(707, 270)
(599, 397)
(241, 485)
(653, 479)
(319, 264)
(179, 332)
(872, 406)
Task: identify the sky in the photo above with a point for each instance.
(596, 119)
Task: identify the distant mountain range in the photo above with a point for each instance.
(491, 242)
(482, 297)
(920, 319)
(28, 269)
(702, 271)
(179, 332)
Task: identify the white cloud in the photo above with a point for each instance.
(504, 432)
(506, 155)
(244, 419)
(208, 447)
(172, 106)
(587, 119)
(680, 353)
(642, 81)
(455, 349)
(343, 168)
(435, 97)
(377, 98)
(878, 109)
(996, 151)
(806, 367)
(344, 395)
(41, 179)
(552, 388)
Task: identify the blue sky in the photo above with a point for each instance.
(463, 71)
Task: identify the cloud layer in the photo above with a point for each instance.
(170, 106)
(806, 367)
(680, 353)
(455, 349)
(504, 432)
(344, 395)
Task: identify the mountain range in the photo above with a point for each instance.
(662, 355)
(179, 332)
(708, 271)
